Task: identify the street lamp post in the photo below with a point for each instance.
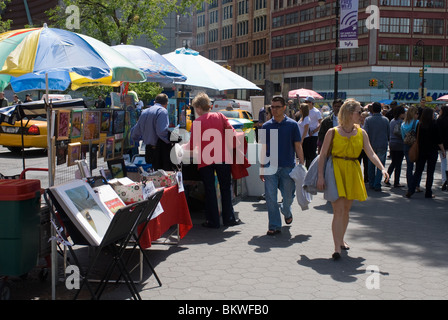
(336, 50)
(421, 44)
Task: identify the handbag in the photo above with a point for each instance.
(411, 136)
(310, 181)
(414, 150)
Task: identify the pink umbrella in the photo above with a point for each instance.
(303, 93)
(443, 98)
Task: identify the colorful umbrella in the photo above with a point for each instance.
(154, 65)
(204, 73)
(443, 98)
(303, 93)
(46, 50)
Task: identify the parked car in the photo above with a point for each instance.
(236, 113)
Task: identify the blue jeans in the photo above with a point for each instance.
(375, 175)
(279, 180)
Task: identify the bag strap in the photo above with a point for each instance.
(331, 144)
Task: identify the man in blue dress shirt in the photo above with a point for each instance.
(152, 128)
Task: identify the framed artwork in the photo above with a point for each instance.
(61, 152)
(84, 169)
(117, 168)
(106, 119)
(109, 149)
(84, 208)
(63, 124)
(73, 153)
(101, 150)
(93, 157)
(76, 121)
(109, 198)
(118, 121)
(118, 148)
(91, 125)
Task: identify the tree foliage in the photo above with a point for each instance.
(4, 24)
(121, 21)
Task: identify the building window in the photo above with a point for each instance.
(201, 20)
(242, 50)
(227, 32)
(394, 25)
(259, 23)
(291, 61)
(200, 39)
(242, 28)
(306, 36)
(277, 22)
(213, 54)
(259, 47)
(396, 3)
(324, 11)
(213, 35)
(226, 53)
(393, 52)
(322, 34)
(428, 26)
(429, 3)
(259, 71)
(306, 59)
(260, 4)
(243, 7)
(277, 63)
(362, 29)
(322, 57)
(227, 12)
(359, 54)
(213, 16)
(291, 39)
(277, 42)
(307, 15)
(432, 53)
(291, 18)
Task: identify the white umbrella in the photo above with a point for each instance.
(443, 98)
(204, 73)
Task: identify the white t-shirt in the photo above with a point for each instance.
(302, 123)
(315, 116)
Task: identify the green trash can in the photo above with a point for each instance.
(19, 226)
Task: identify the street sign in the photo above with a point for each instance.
(338, 67)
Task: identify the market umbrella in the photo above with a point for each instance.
(204, 73)
(82, 59)
(303, 93)
(443, 98)
(386, 101)
(153, 64)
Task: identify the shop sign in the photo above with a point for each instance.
(411, 95)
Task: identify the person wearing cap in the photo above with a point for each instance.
(16, 100)
(310, 142)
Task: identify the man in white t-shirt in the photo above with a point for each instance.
(310, 143)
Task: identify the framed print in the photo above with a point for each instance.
(61, 152)
(76, 121)
(109, 149)
(84, 208)
(118, 121)
(101, 150)
(73, 153)
(93, 157)
(117, 168)
(118, 148)
(91, 125)
(63, 124)
(106, 119)
(109, 198)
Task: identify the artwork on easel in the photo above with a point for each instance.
(63, 124)
(101, 150)
(91, 125)
(76, 121)
(106, 119)
(118, 148)
(117, 168)
(73, 153)
(118, 121)
(109, 149)
(84, 208)
(93, 157)
(61, 152)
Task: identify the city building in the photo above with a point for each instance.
(296, 46)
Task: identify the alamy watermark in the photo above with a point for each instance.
(72, 22)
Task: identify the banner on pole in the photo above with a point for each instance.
(348, 24)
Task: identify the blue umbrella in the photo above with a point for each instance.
(154, 65)
(386, 101)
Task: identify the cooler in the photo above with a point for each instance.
(19, 226)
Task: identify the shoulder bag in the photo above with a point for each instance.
(413, 151)
(410, 137)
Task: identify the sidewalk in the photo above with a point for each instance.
(398, 251)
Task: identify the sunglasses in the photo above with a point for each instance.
(276, 107)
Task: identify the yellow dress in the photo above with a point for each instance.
(348, 174)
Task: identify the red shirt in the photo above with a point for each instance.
(210, 140)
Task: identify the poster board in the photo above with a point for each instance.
(84, 208)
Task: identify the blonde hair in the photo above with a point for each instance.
(202, 101)
(346, 111)
(410, 114)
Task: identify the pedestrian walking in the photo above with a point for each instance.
(304, 122)
(346, 141)
(329, 122)
(442, 125)
(409, 124)
(378, 130)
(429, 143)
(396, 145)
(275, 173)
(310, 143)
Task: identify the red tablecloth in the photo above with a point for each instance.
(175, 211)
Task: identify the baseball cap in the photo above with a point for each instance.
(309, 99)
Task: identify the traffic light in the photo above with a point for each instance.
(370, 82)
(421, 73)
(227, 67)
(375, 83)
(391, 84)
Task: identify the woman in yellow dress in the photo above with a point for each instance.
(347, 140)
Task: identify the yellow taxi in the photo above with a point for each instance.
(236, 113)
(34, 134)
